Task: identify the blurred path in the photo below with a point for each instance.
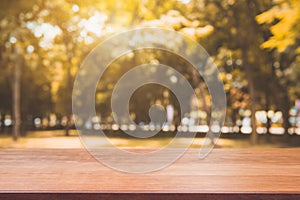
(56, 139)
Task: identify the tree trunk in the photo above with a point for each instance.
(16, 96)
(67, 130)
(69, 97)
(285, 110)
(249, 77)
(245, 41)
(267, 106)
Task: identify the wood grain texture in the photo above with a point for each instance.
(234, 171)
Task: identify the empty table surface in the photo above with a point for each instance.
(223, 171)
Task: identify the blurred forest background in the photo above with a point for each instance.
(255, 45)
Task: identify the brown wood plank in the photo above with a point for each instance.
(235, 171)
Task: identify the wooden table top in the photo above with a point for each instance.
(223, 171)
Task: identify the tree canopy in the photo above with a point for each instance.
(255, 45)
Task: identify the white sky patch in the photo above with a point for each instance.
(12, 40)
(94, 24)
(75, 8)
(47, 32)
(30, 49)
(185, 1)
